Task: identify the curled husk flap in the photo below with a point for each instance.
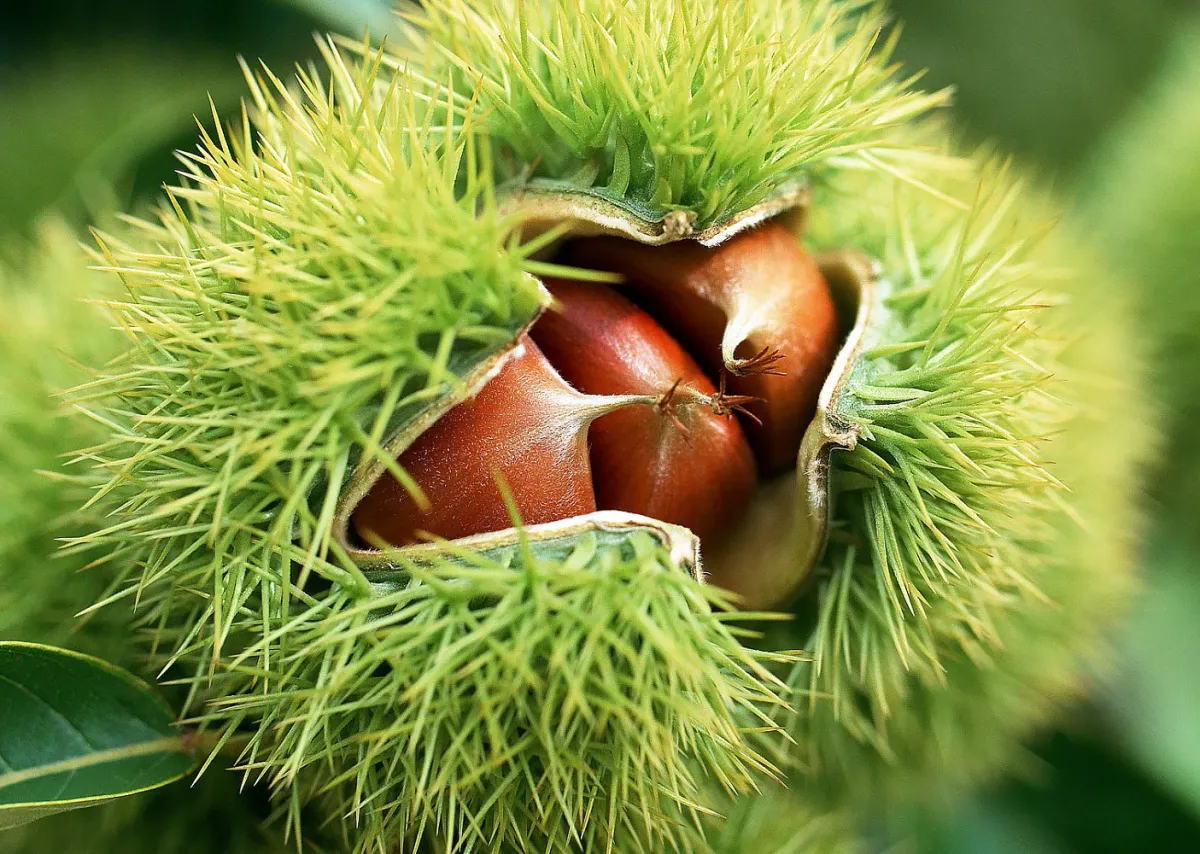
(548, 538)
(780, 541)
(774, 550)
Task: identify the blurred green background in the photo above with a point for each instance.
(1101, 98)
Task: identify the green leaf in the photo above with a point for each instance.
(1155, 703)
(76, 731)
(352, 17)
(88, 125)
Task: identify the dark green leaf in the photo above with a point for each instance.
(352, 16)
(76, 731)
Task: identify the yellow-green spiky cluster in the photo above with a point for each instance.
(705, 106)
(988, 510)
(538, 705)
(334, 263)
(329, 269)
(49, 330)
(320, 277)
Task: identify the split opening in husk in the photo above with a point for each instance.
(690, 390)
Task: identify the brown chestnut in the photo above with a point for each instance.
(685, 460)
(755, 306)
(526, 425)
(652, 397)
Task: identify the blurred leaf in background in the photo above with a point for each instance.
(85, 124)
(95, 97)
(1141, 198)
(1045, 78)
(1155, 704)
(1082, 797)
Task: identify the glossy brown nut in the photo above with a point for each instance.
(526, 424)
(686, 460)
(756, 306)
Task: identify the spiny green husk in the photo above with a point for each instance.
(988, 513)
(49, 330)
(324, 275)
(705, 106)
(332, 265)
(309, 289)
(582, 708)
